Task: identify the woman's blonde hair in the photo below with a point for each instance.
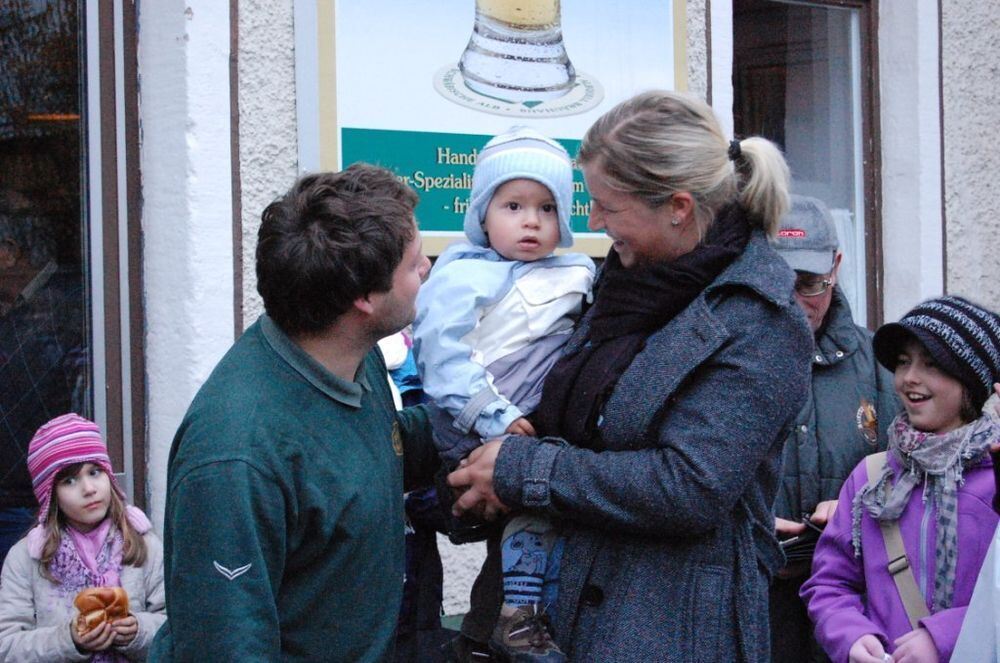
(660, 143)
(133, 551)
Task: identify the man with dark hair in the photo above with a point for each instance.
(349, 229)
(284, 519)
(42, 356)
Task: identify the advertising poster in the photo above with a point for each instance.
(420, 87)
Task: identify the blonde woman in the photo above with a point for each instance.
(673, 396)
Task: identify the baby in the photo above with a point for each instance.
(491, 321)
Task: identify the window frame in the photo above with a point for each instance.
(871, 149)
(114, 239)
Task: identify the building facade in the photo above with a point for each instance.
(169, 125)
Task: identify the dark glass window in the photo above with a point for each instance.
(45, 368)
(801, 77)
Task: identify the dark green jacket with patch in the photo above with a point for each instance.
(829, 438)
(284, 518)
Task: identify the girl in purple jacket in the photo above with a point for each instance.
(937, 483)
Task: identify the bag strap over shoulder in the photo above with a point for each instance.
(899, 564)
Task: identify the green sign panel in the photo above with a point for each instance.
(439, 167)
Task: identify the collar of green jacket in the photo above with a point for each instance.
(838, 339)
(342, 391)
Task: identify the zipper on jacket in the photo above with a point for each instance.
(922, 554)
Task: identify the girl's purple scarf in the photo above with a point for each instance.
(95, 563)
(92, 550)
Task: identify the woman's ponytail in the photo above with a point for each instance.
(658, 143)
(764, 181)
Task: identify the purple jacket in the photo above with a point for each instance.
(849, 597)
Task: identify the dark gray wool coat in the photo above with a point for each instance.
(669, 533)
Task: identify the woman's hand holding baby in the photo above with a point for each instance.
(475, 478)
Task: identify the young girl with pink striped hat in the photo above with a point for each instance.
(87, 535)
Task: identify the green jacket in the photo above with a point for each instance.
(826, 440)
(284, 518)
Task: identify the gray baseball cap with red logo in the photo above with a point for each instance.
(807, 239)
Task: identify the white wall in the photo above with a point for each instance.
(186, 213)
(697, 48)
(268, 142)
(971, 61)
(722, 62)
(912, 236)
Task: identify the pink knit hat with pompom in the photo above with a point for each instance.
(66, 440)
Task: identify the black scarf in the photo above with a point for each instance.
(629, 305)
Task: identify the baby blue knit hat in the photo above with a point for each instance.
(520, 153)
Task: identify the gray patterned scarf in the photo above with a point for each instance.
(938, 460)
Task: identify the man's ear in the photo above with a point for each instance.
(365, 304)
(836, 267)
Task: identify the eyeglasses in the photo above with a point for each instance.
(812, 285)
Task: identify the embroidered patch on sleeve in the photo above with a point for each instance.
(231, 574)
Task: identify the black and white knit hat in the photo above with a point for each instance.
(962, 337)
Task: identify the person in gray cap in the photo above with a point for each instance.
(849, 408)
